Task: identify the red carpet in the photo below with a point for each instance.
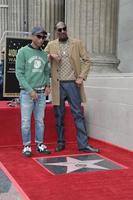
(38, 184)
(10, 125)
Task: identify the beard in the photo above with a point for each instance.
(63, 39)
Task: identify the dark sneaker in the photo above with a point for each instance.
(60, 147)
(27, 151)
(42, 148)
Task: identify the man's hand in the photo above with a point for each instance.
(55, 57)
(79, 81)
(47, 90)
(34, 95)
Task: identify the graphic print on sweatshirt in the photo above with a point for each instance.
(37, 63)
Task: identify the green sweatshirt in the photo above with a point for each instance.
(32, 69)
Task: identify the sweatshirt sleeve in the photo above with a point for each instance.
(20, 70)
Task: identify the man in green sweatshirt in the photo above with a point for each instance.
(32, 72)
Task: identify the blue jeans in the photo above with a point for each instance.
(27, 107)
(70, 91)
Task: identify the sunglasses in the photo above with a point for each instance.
(40, 37)
(62, 29)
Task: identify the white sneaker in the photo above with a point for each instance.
(27, 151)
(42, 148)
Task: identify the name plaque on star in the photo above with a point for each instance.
(10, 84)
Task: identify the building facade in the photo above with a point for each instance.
(104, 26)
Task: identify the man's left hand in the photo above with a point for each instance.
(79, 81)
(47, 90)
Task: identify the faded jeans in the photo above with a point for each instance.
(29, 106)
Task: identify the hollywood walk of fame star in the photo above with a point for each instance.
(73, 164)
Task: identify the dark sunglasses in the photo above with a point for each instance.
(62, 29)
(40, 37)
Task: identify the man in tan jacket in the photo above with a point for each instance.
(69, 68)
